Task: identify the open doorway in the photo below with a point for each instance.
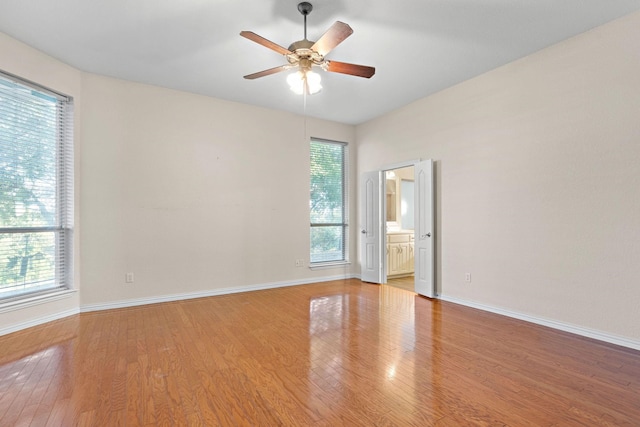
(374, 266)
(399, 258)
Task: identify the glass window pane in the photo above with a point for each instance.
(327, 244)
(27, 262)
(28, 137)
(327, 183)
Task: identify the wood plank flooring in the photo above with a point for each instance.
(327, 354)
(408, 283)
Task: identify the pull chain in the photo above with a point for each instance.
(304, 112)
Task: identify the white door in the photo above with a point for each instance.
(370, 228)
(424, 229)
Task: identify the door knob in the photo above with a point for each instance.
(426, 235)
(364, 231)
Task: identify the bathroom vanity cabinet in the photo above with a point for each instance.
(400, 254)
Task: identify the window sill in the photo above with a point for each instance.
(327, 265)
(30, 301)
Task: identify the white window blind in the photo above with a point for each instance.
(328, 202)
(36, 188)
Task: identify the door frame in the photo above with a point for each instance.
(430, 291)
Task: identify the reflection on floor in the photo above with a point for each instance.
(406, 283)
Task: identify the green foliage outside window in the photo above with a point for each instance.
(328, 201)
(29, 192)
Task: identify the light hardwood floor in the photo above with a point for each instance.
(336, 353)
(407, 283)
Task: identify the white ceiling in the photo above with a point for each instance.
(418, 47)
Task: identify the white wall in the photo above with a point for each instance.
(538, 181)
(18, 59)
(193, 194)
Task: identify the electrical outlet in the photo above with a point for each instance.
(467, 277)
(299, 263)
(128, 277)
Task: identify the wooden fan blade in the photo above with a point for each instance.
(264, 42)
(332, 38)
(351, 69)
(267, 72)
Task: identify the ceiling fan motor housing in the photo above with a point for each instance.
(302, 50)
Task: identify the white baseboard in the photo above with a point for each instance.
(578, 330)
(207, 293)
(38, 321)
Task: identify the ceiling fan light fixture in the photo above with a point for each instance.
(304, 81)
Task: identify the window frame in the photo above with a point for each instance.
(344, 208)
(63, 228)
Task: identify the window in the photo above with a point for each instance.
(328, 202)
(36, 189)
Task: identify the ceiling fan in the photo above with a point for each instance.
(304, 54)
